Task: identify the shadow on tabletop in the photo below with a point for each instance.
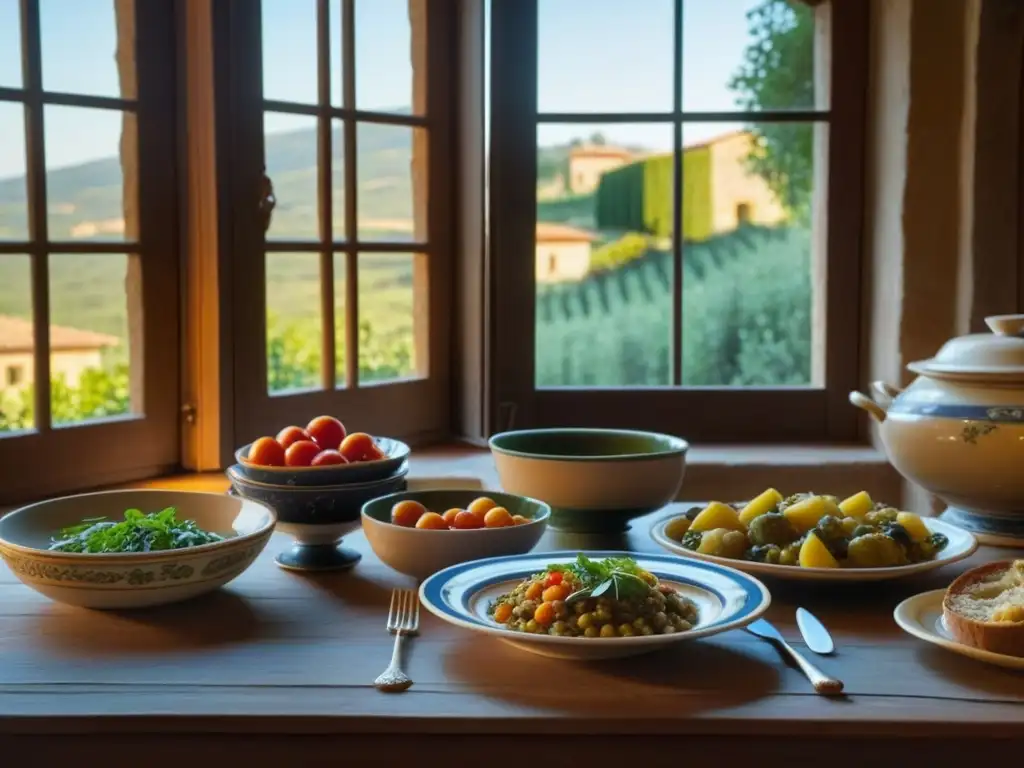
(215, 619)
(971, 673)
(711, 676)
(352, 587)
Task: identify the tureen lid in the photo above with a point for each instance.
(998, 355)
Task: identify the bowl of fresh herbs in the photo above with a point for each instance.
(133, 549)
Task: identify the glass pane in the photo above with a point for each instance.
(604, 255)
(385, 56)
(338, 180)
(10, 45)
(290, 147)
(294, 322)
(89, 165)
(289, 51)
(751, 232)
(17, 361)
(337, 67)
(392, 315)
(81, 40)
(340, 305)
(605, 56)
(392, 166)
(749, 55)
(13, 190)
(90, 361)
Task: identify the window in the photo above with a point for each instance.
(347, 310)
(697, 113)
(88, 267)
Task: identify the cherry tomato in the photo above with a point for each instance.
(556, 592)
(481, 506)
(301, 453)
(497, 517)
(359, 446)
(432, 521)
(326, 458)
(534, 591)
(545, 614)
(266, 452)
(407, 513)
(449, 516)
(554, 578)
(502, 612)
(519, 520)
(289, 435)
(466, 520)
(326, 431)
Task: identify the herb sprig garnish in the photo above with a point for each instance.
(138, 532)
(617, 577)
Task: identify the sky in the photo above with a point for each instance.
(594, 55)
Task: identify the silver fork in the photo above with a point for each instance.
(403, 620)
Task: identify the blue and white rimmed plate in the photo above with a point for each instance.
(961, 546)
(461, 595)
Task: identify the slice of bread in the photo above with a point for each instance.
(984, 607)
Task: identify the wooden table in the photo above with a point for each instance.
(278, 666)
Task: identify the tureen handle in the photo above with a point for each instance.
(885, 393)
(865, 403)
(1006, 325)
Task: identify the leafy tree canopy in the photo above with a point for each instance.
(778, 73)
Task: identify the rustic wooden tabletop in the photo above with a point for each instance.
(280, 666)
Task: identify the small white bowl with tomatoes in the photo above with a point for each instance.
(321, 453)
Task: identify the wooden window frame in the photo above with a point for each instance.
(708, 414)
(50, 459)
(417, 410)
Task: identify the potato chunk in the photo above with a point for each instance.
(756, 507)
(805, 514)
(717, 515)
(814, 554)
(857, 505)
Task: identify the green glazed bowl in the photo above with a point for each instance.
(596, 480)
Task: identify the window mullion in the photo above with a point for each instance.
(326, 206)
(31, 46)
(348, 58)
(677, 195)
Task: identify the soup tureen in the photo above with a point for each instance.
(958, 429)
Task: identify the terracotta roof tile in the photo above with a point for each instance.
(16, 336)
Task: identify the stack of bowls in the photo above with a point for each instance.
(317, 506)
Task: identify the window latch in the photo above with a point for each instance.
(188, 413)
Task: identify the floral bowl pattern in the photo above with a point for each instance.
(135, 579)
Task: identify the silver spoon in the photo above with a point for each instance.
(814, 632)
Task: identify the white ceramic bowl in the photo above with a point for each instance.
(133, 579)
(419, 553)
(596, 480)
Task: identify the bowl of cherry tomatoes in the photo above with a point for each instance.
(420, 532)
(322, 453)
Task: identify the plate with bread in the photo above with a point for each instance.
(980, 615)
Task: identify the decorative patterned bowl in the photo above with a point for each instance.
(596, 480)
(317, 517)
(396, 452)
(419, 553)
(133, 579)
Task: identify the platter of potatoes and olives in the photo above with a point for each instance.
(812, 536)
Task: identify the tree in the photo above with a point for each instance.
(778, 73)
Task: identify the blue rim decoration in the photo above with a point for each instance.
(1000, 414)
(433, 590)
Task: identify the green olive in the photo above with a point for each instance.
(591, 632)
(608, 630)
(586, 620)
(626, 630)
